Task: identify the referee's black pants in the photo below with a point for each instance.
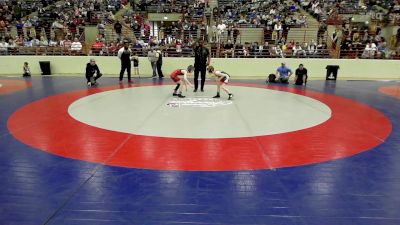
(127, 67)
(202, 71)
(159, 70)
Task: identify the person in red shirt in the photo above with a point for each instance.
(113, 48)
(67, 44)
(138, 18)
(290, 45)
(175, 76)
(147, 29)
(97, 46)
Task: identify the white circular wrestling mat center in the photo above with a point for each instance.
(153, 111)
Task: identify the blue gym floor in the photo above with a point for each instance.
(41, 188)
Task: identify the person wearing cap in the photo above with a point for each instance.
(283, 73)
(92, 73)
(124, 54)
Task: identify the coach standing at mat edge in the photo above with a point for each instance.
(201, 61)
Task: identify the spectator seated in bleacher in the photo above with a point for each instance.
(12, 46)
(3, 47)
(178, 47)
(35, 42)
(19, 41)
(383, 51)
(369, 51)
(298, 50)
(43, 42)
(97, 46)
(229, 49)
(66, 43)
(312, 48)
(112, 49)
(53, 43)
(76, 46)
(27, 42)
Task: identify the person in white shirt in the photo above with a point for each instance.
(213, 35)
(27, 24)
(76, 45)
(372, 50)
(242, 20)
(57, 28)
(314, 5)
(312, 48)
(304, 3)
(261, 48)
(53, 43)
(221, 31)
(318, 12)
(302, 20)
(3, 47)
(43, 42)
(11, 44)
(141, 42)
(272, 11)
(278, 27)
(297, 50)
(277, 51)
(367, 51)
(35, 42)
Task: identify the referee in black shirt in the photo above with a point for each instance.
(301, 75)
(201, 61)
(124, 54)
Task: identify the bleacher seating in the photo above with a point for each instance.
(57, 21)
